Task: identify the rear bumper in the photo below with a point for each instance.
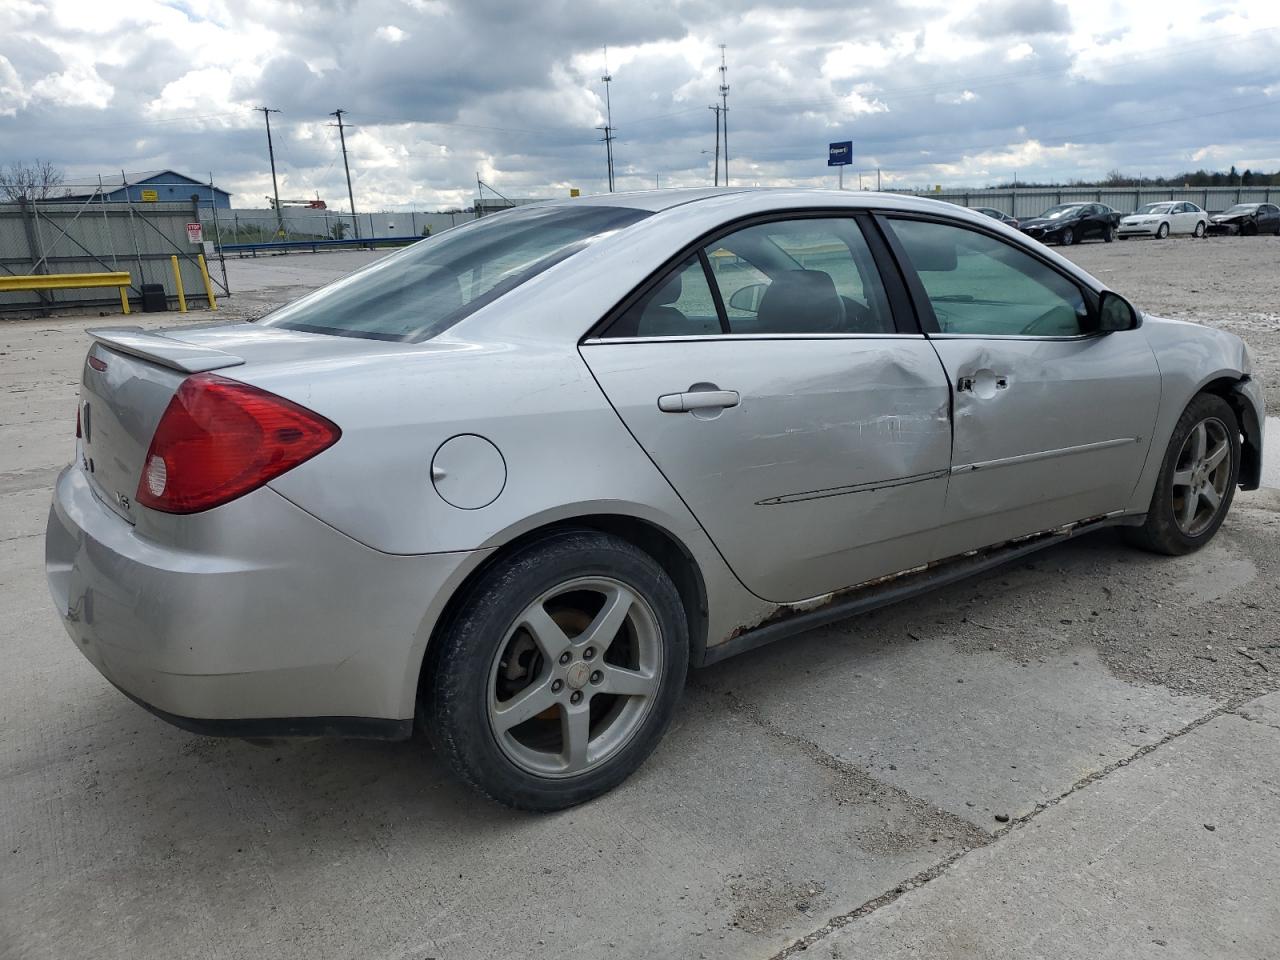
(265, 622)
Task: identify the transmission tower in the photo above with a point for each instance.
(608, 137)
(724, 110)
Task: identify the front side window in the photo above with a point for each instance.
(982, 286)
(427, 287)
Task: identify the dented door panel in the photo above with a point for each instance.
(830, 469)
(1064, 438)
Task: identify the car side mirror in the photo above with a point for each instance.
(747, 299)
(1115, 313)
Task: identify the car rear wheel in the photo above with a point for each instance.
(1199, 231)
(1197, 480)
(1108, 233)
(560, 673)
(1162, 232)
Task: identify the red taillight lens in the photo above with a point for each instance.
(77, 421)
(219, 439)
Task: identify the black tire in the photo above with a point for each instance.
(1199, 232)
(1249, 230)
(455, 693)
(1162, 232)
(1108, 233)
(1161, 532)
(1067, 238)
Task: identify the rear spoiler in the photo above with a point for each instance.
(160, 349)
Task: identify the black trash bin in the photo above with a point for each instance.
(154, 299)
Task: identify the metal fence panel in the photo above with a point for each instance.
(52, 237)
(1025, 202)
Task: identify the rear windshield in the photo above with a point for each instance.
(426, 288)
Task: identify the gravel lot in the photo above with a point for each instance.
(1073, 756)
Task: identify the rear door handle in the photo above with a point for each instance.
(698, 400)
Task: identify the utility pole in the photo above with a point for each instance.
(350, 196)
(716, 108)
(275, 187)
(608, 123)
(724, 110)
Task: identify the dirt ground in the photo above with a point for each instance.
(1227, 282)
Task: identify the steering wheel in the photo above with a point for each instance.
(1048, 324)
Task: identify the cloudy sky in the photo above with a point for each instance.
(957, 93)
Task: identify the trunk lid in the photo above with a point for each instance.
(130, 374)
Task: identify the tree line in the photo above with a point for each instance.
(1197, 178)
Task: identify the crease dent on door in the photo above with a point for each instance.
(831, 470)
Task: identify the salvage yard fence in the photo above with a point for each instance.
(1024, 202)
(42, 237)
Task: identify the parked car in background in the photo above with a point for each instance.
(1246, 219)
(505, 485)
(1000, 215)
(1164, 218)
(1069, 223)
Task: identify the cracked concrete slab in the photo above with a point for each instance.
(728, 843)
(978, 735)
(1172, 857)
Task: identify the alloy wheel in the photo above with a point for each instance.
(575, 677)
(1201, 475)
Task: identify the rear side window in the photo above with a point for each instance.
(982, 286)
(426, 288)
(797, 277)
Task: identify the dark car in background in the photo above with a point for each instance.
(1246, 219)
(1069, 223)
(995, 214)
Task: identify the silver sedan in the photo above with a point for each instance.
(509, 483)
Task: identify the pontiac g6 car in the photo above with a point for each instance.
(507, 484)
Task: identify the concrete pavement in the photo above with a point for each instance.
(846, 791)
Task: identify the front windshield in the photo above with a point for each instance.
(1243, 208)
(1062, 210)
(1155, 208)
(418, 292)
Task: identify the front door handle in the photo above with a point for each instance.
(698, 400)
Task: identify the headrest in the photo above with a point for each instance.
(802, 301)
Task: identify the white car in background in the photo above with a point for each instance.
(1161, 219)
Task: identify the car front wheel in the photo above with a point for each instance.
(1068, 237)
(1163, 232)
(559, 674)
(1197, 480)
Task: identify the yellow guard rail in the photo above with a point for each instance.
(69, 281)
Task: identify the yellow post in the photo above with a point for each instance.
(208, 287)
(177, 279)
(124, 299)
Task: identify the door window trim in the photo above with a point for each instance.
(905, 318)
(924, 307)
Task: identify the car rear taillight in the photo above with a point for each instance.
(220, 439)
(77, 421)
